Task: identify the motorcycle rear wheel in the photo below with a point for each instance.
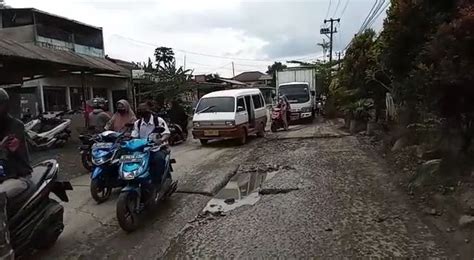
(127, 217)
(99, 192)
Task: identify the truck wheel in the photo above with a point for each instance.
(204, 141)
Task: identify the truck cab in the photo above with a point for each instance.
(301, 99)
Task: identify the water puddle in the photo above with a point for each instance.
(241, 190)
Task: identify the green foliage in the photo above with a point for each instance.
(168, 81)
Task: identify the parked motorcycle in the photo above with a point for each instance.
(141, 192)
(177, 133)
(47, 132)
(35, 220)
(277, 119)
(105, 159)
(87, 140)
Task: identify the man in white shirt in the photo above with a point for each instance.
(145, 126)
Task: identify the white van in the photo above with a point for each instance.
(230, 114)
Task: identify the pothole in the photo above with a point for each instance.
(242, 189)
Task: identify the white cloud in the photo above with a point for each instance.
(261, 29)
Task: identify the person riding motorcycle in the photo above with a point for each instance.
(15, 166)
(143, 127)
(178, 115)
(122, 117)
(98, 119)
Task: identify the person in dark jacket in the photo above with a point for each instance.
(15, 166)
(178, 115)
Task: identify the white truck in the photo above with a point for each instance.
(298, 84)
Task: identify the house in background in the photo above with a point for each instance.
(252, 78)
(74, 48)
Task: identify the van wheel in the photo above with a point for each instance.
(204, 141)
(261, 131)
(243, 139)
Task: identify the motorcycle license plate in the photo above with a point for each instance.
(102, 145)
(211, 133)
(129, 158)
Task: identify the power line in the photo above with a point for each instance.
(329, 8)
(373, 14)
(337, 7)
(367, 17)
(378, 15)
(192, 52)
(344, 9)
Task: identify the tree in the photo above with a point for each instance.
(169, 82)
(3, 5)
(272, 69)
(164, 56)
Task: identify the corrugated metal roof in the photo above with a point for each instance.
(11, 48)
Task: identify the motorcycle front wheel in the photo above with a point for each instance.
(86, 160)
(127, 215)
(99, 191)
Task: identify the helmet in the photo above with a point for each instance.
(4, 97)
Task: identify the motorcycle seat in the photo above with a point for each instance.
(40, 171)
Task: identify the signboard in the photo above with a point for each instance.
(138, 74)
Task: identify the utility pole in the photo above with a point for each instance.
(233, 70)
(330, 31)
(184, 62)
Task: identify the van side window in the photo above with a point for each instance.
(240, 103)
(257, 101)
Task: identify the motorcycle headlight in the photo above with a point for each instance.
(100, 157)
(129, 171)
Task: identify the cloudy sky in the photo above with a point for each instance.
(213, 33)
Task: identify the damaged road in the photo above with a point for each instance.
(328, 198)
(294, 196)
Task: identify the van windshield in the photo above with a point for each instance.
(216, 104)
(295, 93)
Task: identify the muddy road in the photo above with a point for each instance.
(308, 192)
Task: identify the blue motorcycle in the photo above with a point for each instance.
(105, 160)
(140, 192)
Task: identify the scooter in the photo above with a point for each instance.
(140, 192)
(104, 177)
(35, 220)
(45, 133)
(277, 119)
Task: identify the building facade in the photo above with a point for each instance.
(71, 41)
